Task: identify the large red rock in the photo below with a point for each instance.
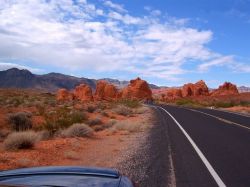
(198, 89)
(174, 93)
(226, 89)
(105, 91)
(64, 95)
(137, 89)
(83, 92)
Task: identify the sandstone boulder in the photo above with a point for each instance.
(105, 91)
(83, 92)
(64, 95)
(226, 89)
(137, 89)
(198, 89)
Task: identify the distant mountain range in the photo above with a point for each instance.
(16, 78)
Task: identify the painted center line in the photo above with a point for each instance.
(221, 119)
(211, 170)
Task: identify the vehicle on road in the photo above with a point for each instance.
(64, 176)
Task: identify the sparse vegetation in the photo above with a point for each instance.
(130, 103)
(62, 118)
(20, 140)
(123, 110)
(78, 130)
(91, 108)
(96, 121)
(20, 121)
(128, 125)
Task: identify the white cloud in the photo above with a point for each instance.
(116, 7)
(221, 61)
(82, 36)
(5, 66)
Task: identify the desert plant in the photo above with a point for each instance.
(105, 114)
(20, 121)
(129, 126)
(96, 121)
(44, 135)
(123, 110)
(78, 130)
(91, 108)
(20, 140)
(130, 103)
(78, 117)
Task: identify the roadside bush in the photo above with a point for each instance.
(91, 109)
(20, 121)
(140, 110)
(129, 126)
(96, 121)
(123, 110)
(78, 117)
(63, 118)
(105, 114)
(20, 140)
(78, 130)
(186, 102)
(224, 104)
(130, 103)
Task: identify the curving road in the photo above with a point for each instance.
(205, 147)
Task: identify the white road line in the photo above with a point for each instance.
(232, 113)
(211, 170)
(221, 119)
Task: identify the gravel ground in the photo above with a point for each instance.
(148, 161)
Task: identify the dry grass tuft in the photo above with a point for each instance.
(20, 121)
(123, 110)
(20, 140)
(78, 130)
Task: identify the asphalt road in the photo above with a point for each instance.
(204, 147)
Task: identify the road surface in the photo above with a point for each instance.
(205, 147)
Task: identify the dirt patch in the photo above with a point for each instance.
(104, 149)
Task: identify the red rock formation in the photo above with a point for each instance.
(137, 89)
(64, 95)
(226, 89)
(198, 89)
(83, 92)
(105, 91)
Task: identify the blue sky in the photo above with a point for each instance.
(168, 42)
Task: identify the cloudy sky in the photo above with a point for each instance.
(167, 42)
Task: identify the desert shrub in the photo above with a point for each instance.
(91, 108)
(224, 104)
(71, 155)
(40, 109)
(129, 126)
(184, 102)
(78, 130)
(44, 135)
(20, 140)
(96, 121)
(130, 103)
(62, 118)
(78, 117)
(101, 106)
(123, 110)
(20, 121)
(105, 114)
(140, 110)
(244, 103)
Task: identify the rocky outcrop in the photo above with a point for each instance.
(105, 91)
(83, 92)
(138, 89)
(64, 95)
(198, 89)
(226, 89)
